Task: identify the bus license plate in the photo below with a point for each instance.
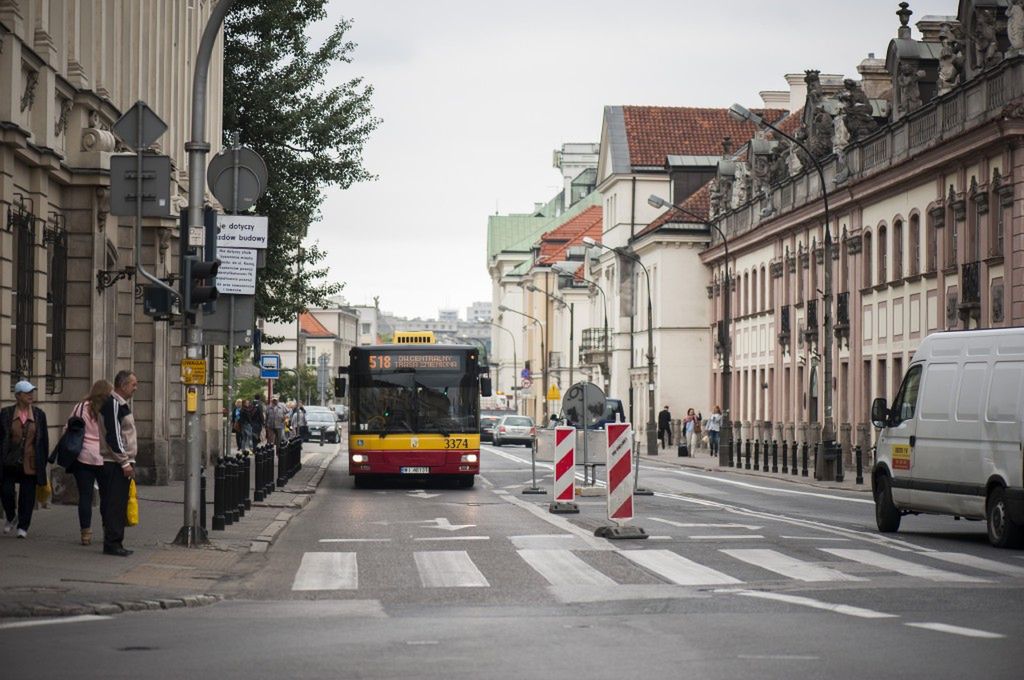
(414, 470)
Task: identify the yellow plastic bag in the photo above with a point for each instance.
(43, 494)
(132, 516)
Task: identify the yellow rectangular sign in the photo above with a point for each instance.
(191, 400)
(193, 371)
(901, 457)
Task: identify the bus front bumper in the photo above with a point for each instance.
(414, 463)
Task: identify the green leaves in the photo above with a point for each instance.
(311, 135)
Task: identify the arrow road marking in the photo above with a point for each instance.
(420, 493)
(445, 525)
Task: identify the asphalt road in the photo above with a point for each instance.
(741, 577)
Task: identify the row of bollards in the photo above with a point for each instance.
(795, 457)
(233, 473)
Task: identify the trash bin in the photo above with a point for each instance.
(684, 451)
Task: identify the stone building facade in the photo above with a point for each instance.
(70, 311)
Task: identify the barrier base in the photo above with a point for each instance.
(535, 491)
(620, 533)
(563, 508)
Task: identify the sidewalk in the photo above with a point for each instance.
(51, 574)
(704, 461)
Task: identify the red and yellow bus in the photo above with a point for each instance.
(415, 410)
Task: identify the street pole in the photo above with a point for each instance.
(515, 374)
(192, 533)
(543, 359)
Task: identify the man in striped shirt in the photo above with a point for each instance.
(119, 448)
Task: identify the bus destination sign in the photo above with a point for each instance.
(400, 361)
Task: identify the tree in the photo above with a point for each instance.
(310, 135)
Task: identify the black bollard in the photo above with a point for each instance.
(757, 452)
(747, 451)
(270, 460)
(795, 469)
(775, 456)
(231, 477)
(246, 477)
(804, 451)
(282, 465)
(840, 472)
(218, 496)
(202, 497)
(860, 464)
(785, 457)
(258, 468)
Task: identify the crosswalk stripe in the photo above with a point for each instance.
(904, 567)
(981, 563)
(790, 566)
(677, 569)
(327, 571)
(448, 569)
(564, 568)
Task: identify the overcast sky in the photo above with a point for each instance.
(474, 96)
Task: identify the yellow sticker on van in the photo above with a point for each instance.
(900, 457)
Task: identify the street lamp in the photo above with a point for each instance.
(604, 298)
(828, 430)
(652, 443)
(572, 318)
(543, 358)
(515, 376)
(724, 449)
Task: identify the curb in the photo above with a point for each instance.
(262, 543)
(106, 608)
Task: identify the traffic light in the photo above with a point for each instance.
(197, 284)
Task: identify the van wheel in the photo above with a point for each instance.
(1003, 532)
(887, 515)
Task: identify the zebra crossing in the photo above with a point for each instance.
(568, 568)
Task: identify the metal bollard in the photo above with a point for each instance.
(259, 468)
(775, 456)
(218, 497)
(803, 472)
(785, 457)
(226, 505)
(840, 472)
(231, 511)
(747, 451)
(270, 459)
(246, 476)
(282, 465)
(860, 464)
(202, 497)
(757, 452)
(240, 483)
(795, 469)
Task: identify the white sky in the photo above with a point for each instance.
(475, 95)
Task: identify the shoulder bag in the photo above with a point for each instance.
(69, 446)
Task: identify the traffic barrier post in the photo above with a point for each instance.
(619, 468)
(565, 472)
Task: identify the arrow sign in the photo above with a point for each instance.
(444, 525)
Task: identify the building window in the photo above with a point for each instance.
(883, 255)
(931, 261)
(897, 250)
(56, 239)
(364, 328)
(754, 302)
(915, 245)
(310, 356)
(21, 222)
(868, 280)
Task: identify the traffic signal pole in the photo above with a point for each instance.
(192, 533)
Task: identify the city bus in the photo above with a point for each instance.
(414, 409)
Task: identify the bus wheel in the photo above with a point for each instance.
(1003, 532)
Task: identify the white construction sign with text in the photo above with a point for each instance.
(242, 231)
(237, 273)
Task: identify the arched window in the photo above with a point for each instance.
(764, 292)
(753, 292)
(931, 261)
(883, 255)
(915, 244)
(897, 250)
(868, 279)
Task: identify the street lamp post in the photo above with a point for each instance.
(828, 428)
(604, 298)
(724, 448)
(652, 429)
(572, 318)
(515, 375)
(543, 359)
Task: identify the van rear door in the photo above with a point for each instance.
(898, 438)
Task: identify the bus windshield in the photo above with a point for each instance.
(414, 401)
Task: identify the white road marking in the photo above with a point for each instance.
(691, 525)
(905, 567)
(724, 537)
(814, 538)
(420, 493)
(778, 657)
(660, 538)
(676, 568)
(979, 563)
(454, 538)
(956, 630)
(444, 524)
(564, 568)
(748, 485)
(327, 571)
(355, 540)
(813, 604)
(49, 622)
(448, 569)
(560, 522)
(790, 566)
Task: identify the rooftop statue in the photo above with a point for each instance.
(951, 59)
(857, 110)
(986, 40)
(1015, 27)
(909, 90)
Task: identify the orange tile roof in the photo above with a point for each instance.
(555, 244)
(312, 327)
(698, 203)
(654, 132)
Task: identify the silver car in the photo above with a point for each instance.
(323, 421)
(515, 430)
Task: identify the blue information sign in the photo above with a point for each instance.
(270, 366)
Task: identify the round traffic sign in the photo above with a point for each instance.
(252, 178)
(583, 404)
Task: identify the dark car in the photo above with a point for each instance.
(515, 430)
(322, 420)
(487, 425)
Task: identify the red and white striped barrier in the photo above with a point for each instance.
(565, 464)
(620, 472)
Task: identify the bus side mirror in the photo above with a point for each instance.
(485, 386)
(879, 413)
(339, 387)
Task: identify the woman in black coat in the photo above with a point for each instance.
(24, 445)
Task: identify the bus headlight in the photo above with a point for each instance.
(360, 458)
(469, 458)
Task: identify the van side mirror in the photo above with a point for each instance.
(339, 387)
(879, 413)
(485, 386)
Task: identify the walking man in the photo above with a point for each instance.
(119, 451)
(665, 427)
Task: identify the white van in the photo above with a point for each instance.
(953, 441)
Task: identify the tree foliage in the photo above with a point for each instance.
(310, 135)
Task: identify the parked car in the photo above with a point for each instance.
(952, 443)
(515, 430)
(487, 424)
(321, 419)
(341, 411)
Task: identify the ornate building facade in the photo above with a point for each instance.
(70, 311)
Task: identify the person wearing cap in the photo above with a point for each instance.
(24, 445)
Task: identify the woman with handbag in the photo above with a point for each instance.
(24, 445)
(88, 467)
